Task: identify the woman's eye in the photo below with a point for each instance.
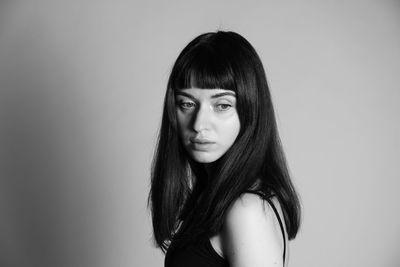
(223, 107)
(186, 105)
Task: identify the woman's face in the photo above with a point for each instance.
(208, 122)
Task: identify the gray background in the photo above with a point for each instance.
(82, 87)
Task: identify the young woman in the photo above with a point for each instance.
(220, 193)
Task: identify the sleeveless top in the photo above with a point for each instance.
(202, 254)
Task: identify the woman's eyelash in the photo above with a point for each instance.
(223, 106)
(189, 105)
(186, 104)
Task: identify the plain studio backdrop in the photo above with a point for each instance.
(82, 88)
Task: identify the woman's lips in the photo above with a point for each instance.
(201, 144)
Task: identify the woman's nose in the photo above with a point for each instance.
(202, 119)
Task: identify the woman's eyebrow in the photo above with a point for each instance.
(213, 96)
(224, 94)
(184, 94)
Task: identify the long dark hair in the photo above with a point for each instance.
(181, 209)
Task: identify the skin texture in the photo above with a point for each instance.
(251, 234)
(208, 122)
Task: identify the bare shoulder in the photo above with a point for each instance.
(251, 206)
(251, 235)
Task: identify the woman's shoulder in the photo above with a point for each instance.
(253, 204)
(252, 232)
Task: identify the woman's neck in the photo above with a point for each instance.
(210, 169)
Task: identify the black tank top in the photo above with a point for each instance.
(202, 254)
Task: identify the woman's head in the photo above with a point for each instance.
(217, 108)
(227, 63)
(208, 123)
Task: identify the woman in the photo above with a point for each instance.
(220, 193)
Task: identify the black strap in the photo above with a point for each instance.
(277, 216)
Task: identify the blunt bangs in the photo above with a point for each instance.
(203, 67)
